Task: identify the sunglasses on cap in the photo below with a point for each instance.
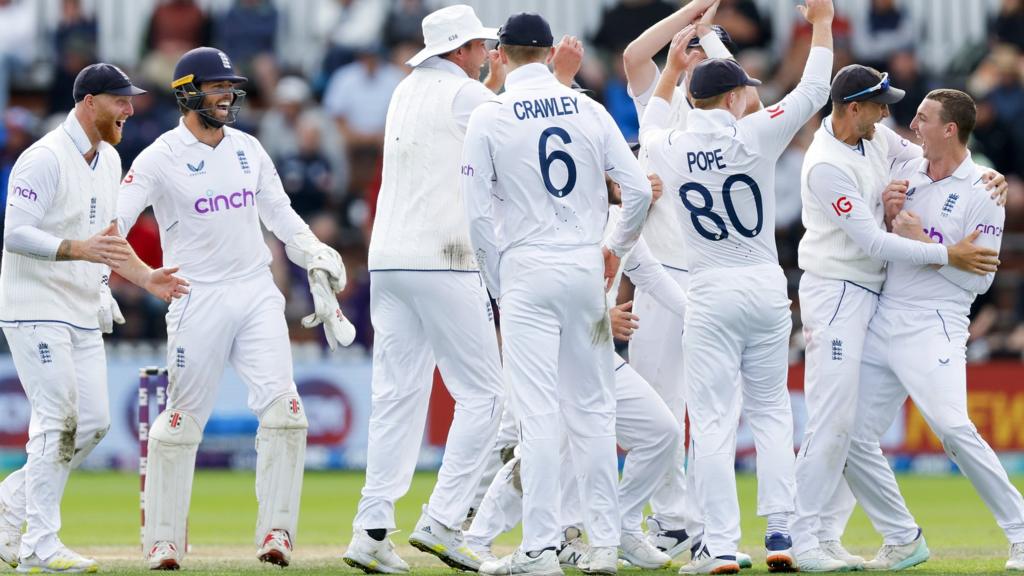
(882, 86)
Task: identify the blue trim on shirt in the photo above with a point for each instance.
(425, 270)
(863, 288)
(943, 320)
(674, 268)
(838, 304)
(75, 326)
(620, 366)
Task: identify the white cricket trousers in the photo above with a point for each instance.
(240, 322)
(64, 373)
(422, 319)
(738, 320)
(557, 344)
(835, 316)
(644, 428)
(921, 353)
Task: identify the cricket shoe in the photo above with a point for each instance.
(818, 560)
(276, 548)
(163, 556)
(834, 548)
(900, 556)
(671, 542)
(10, 546)
(373, 556)
(481, 549)
(704, 563)
(600, 560)
(778, 552)
(572, 549)
(448, 545)
(638, 551)
(62, 561)
(744, 560)
(1016, 561)
(520, 563)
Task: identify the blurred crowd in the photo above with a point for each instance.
(325, 129)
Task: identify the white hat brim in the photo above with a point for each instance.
(436, 49)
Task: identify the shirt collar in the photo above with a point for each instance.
(187, 137)
(709, 120)
(438, 63)
(74, 130)
(827, 125)
(529, 74)
(964, 171)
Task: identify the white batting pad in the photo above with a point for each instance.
(173, 441)
(280, 456)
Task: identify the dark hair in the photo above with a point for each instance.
(958, 108)
(526, 54)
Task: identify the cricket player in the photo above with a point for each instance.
(656, 349)
(210, 187)
(59, 248)
(533, 170)
(917, 338)
(644, 427)
(738, 317)
(428, 301)
(843, 255)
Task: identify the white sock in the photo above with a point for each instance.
(778, 522)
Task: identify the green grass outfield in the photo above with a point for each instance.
(101, 518)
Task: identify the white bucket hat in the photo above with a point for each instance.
(448, 28)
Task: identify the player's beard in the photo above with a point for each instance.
(107, 127)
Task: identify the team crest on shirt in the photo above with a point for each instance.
(243, 162)
(950, 203)
(197, 169)
(837, 349)
(44, 353)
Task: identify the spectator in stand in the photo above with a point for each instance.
(1008, 26)
(622, 23)
(293, 102)
(879, 32)
(995, 139)
(306, 173)
(348, 26)
(404, 23)
(175, 27)
(16, 42)
(153, 116)
(357, 98)
(905, 71)
(20, 127)
(745, 24)
(788, 225)
(74, 47)
(247, 32)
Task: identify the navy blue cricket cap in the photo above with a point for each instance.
(856, 83)
(722, 35)
(526, 29)
(103, 78)
(716, 76)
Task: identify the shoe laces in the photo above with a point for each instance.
(1017, 549)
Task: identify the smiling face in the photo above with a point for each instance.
(930, 129)
(866, 115)
(218, 99)
(110, 114)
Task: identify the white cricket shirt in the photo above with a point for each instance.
(720, 172)
(209, 203)
(533, 169)
(950, 209)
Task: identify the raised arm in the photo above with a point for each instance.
(638, 58)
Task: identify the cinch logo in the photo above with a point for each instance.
(26, 193)
(467, 170)
(989, 229)
(934, 234)
(216, 203)
(842, 206)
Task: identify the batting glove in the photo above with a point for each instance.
(337, 328)
(109, 311)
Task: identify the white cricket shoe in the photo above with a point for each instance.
(163, 556)
(276, 548)
(600, 560)
(901, 556)
(817, 560)
(834, 548)
(520, 563)
(778, 552)
(448, 545)
(671, 542)
(481, 549)
(1016, 561)
(10, 546)
(638, 551)
(572, 549)
(373, 556)
(63, 560)
(704, 563)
